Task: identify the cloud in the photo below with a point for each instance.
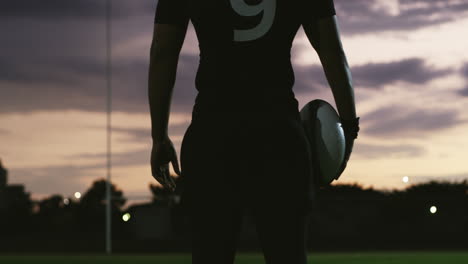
(78, 83)
(356, 17)
(67, 73)
(143, 135)
(364, 16)
(463, 92)
(411, 70)
(77, 9)
(464, 73)
(372, 75)
(309, 78)
(134, 134)
(119, 159)
(400, 121)
(464, 70)
(372, 151)
(48, 71)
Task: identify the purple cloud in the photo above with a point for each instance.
(52, 10)
(411, 70)
(361, 16)
(400, 121)
(464, 73)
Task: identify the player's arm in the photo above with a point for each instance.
(324, 36)
(164, 55)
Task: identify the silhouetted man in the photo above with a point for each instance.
(245, 149)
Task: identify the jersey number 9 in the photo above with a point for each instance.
(267, 6)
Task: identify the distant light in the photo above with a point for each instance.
(405, 179)
(77, 195)
(66, 201)
(126, 217)
(433, 209)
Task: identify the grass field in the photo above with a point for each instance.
(316, 258)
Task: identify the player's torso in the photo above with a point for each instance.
(245, 48)
(244, 27)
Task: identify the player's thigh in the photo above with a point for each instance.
(280, 212)
(209, 168)
(284, 168)
(210, 191)
(209, 161)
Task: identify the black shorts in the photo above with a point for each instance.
(259, 164)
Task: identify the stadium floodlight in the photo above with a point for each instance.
(126, 217)
(406, 179)
(433, 209)
(77, 195)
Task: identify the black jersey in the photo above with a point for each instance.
(244, 49)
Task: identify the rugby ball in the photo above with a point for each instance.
(326, 138)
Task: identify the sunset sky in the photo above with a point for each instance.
(409, 60)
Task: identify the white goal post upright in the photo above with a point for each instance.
(108, 233)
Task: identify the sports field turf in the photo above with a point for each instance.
(316, 258)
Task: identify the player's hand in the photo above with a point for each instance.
(163, 153)
(348, 149)
(351, 129)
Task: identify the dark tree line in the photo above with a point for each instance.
(427, 215)
(346, 217)
(29, 225)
